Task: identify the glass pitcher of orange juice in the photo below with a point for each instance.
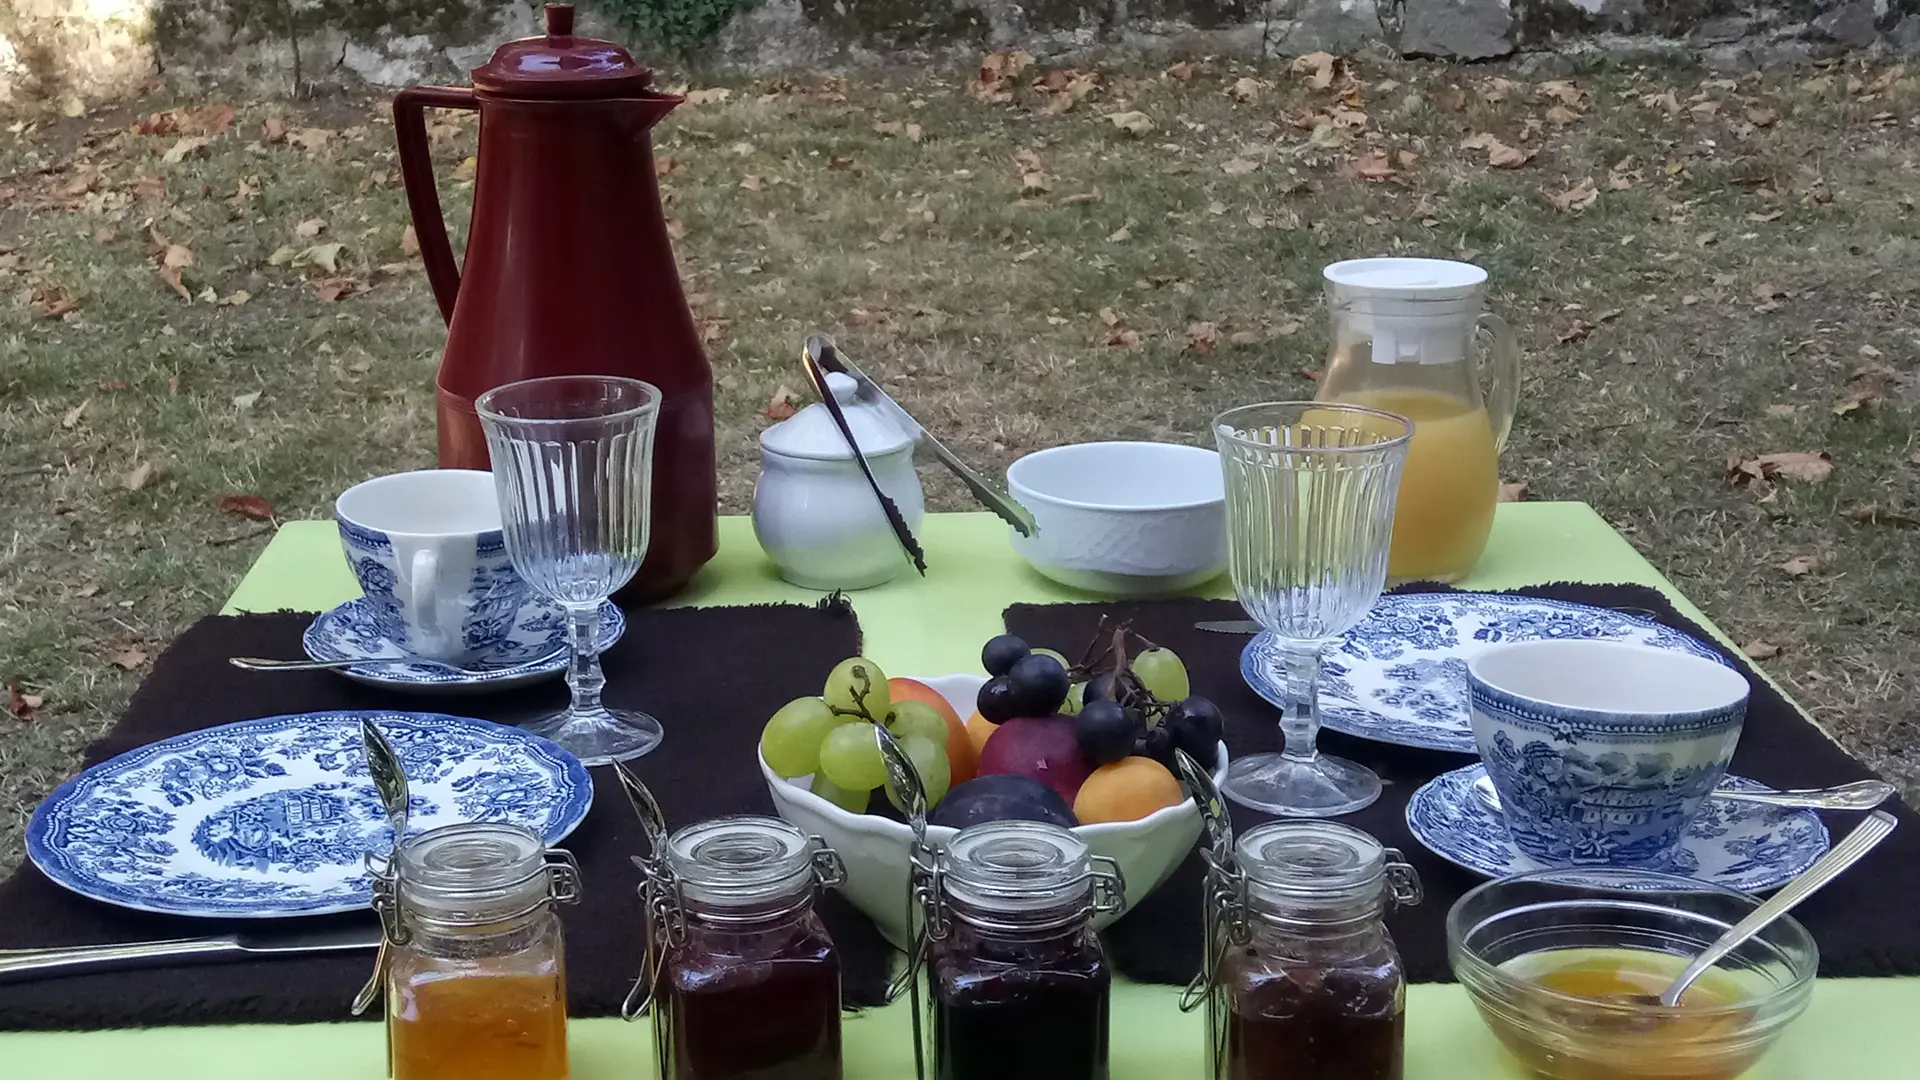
(1411, 336)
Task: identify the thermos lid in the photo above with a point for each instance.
(811, 432)
(1413, 311)
(562, 66)
(1403, 279)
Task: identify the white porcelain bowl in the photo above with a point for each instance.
(1123, 518)
(875, 848)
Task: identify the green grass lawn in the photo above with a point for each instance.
(1698, 268)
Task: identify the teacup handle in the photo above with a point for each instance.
(423, 591)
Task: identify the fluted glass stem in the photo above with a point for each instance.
(1300, 721)
(583, 667)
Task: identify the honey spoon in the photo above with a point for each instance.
(1864, 838)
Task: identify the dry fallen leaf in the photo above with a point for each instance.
(1124, 339)
(1133, 122)
(781, 406)
(273, 129)
(177, 256)
(1809, 467)
(1373, 165)
(1181, 72)
(467, 169)
(184, 148)
(1561, 116)
(409, 241)
(915, 133)
(1499, 154)
(1120, 235)
(1244, 89)
(72, 418)
(246, 401)
(1243, 338)
(129, 658)
(52, 301)
(1760, 650)
(171, 275)
(1872, 513)
(1576, 198)
(1865, 387)
(319, 256)
(22, 704)
(139, 477)
(309, 228)
(1771, 215)
(1513, 492)
(252, 507)
(709, 96)
(1801, 564)
(1318, 67)
(1238, 166)
(235, 298)
(1761, 116)
(335, 289)
(1111, 317)
(1578, 330)
(752, 183)
(997, 72)
(1203, 337)
(1563, 91)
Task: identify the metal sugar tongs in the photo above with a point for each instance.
(822, 353)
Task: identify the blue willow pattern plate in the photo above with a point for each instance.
(1744, 846)
(269, 818)
(360, 630)
(1400, 676)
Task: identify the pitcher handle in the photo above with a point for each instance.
(423, 197)
(1500, 370)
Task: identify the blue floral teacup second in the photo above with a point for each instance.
(1602, 752)
(427, 549)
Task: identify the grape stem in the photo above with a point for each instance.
(864, 679)
(1116, 653)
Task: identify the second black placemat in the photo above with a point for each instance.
(1863, 925)
(712, 676)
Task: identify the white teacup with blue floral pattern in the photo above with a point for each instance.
(1602, 752)
(429, 554)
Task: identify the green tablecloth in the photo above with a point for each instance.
(1855, 1028)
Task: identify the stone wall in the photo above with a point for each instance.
(68, 52)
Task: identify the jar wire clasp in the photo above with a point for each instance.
(926, 915)
(390, 785)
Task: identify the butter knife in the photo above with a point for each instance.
(810, 361)
(20, 965)
(868, 392)
(1228, 626)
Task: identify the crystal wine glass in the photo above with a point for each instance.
(573, 464)
(1310, 497)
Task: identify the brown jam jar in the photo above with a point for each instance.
(1018, 981)
(749, 982)
(1309, 983)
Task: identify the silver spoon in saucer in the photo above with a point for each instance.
(1858, 795)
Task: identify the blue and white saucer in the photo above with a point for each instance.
(1400, 676)
(353, 632)
(270, 818)
(1749, 847)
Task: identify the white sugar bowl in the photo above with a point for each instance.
(813, 512)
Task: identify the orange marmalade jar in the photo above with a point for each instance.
(475, 977)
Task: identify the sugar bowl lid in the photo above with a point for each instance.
(811, 432)
(559, 65)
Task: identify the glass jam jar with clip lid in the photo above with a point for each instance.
(1016, 975)
(1305, 983)
(744, 981)
(473, 963)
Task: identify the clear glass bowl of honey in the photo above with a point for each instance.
(1566, 967)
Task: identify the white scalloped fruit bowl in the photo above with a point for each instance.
(875, 848)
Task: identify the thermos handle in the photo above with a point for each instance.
(423, 196)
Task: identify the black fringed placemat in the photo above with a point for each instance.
(1864, 925)
(712, 676)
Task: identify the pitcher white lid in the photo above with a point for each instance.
(811, 432)
(1404, 279)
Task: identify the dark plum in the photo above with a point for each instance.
(1106, 732)
(1001, 653)
(1002, 797)
(1039, 685)
(996, 701)
(1196, 727)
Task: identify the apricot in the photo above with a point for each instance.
(963, 751)
(1126, 790)
(979, 730)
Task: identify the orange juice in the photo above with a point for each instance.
(1448, 488)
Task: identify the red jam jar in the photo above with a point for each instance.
(1309, 984)
(1017, 976)
(748, 986)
